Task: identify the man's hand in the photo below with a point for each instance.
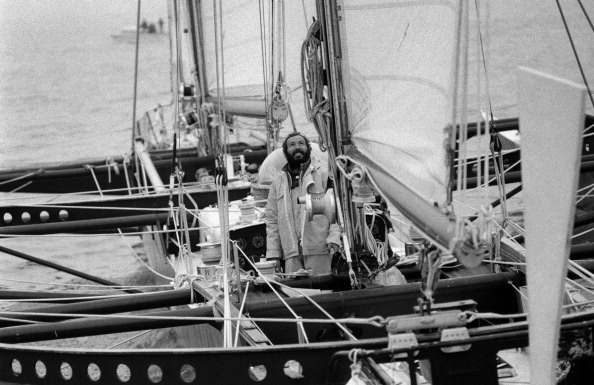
(332, 248)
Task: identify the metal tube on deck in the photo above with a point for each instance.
(85, 225)
(147, 163)
(46, 295)
(125, 303)
(94, 326)
(65, 269)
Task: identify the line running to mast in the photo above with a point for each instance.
(577, 58)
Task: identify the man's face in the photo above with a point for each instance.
(297, 151)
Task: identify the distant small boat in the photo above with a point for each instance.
(128, 34)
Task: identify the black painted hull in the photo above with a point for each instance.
(78, 177)
(322, 362)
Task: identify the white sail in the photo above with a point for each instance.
(260, 38)
(400, 58)
(242, 43)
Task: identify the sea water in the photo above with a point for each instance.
(66, 86)
(66, 93)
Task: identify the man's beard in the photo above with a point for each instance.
(296, 163)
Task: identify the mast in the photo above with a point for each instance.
(194, 12)
(172, 55)
(436, 223)
(338, 130)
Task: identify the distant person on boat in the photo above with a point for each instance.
(161, 25)
(301, 244)
(144, 25)
(152, 28)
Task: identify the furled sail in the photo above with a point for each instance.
(400, 58)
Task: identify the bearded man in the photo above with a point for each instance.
(301, 244)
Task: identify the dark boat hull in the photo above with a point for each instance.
(92, 176)
(492, 292)
(102, 213)
(322, 362)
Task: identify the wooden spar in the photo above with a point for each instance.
(249, 108)
(63, 268)
(552, 116)
(431, 220)
(147, 163)
(122, 304)
(98, 326)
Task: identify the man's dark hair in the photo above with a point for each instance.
(292, 134)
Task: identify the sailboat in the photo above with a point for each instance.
(128, 34)
(122, 174)
(95, 195)
(370, 114)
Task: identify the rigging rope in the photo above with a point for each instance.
(21, 186)
(125, 163)
(178, 78)
(375, 246)
(586, 14)
(579, 287)
(91, 168)
(582, 233)
(484, 61)
(265, 64)
(268, 282)
(311, 300)
(577, 58)
(74, 285)
(313, 86)
(496, 153)
(247, 286)
(134, 99)
(501, 174)
(129, 339)
(140, 259)
(221, 178)
(25, 176)
(376, 321)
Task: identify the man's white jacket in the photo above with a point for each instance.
(287, 227)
